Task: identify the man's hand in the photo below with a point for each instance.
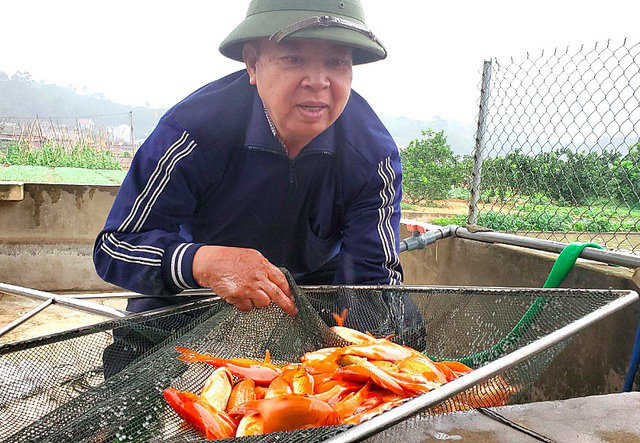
(242, 277)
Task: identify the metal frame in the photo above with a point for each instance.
(18, 321)
(423, 402)
(50, 298)
(77, 302)
(128, 295)
(436, 232)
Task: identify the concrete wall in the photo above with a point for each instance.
(46, 237)
(47, 233)
(596, 359)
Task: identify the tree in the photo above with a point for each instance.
(429, 168)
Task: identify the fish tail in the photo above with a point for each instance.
(193, 356)
(340, 318)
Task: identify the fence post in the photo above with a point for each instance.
(133, 147)
(477, 156)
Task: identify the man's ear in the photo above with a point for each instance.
(250, 57)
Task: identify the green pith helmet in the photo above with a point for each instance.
(339, 21)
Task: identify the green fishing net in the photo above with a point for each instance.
(104, 383)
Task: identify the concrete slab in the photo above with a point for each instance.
(613, 418)
(11, 191)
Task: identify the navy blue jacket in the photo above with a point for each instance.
(212, 173)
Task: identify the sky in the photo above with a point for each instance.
(157, 52)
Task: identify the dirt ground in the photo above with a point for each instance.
(440, 209)
(52, 319)
(455, 207)
(444, 208)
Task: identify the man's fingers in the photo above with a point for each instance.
(282, 300)
(277, 277)
(242, 304)
(260, 299)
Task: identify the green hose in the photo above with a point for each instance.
(564, 263)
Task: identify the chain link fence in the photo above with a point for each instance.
(557, 152)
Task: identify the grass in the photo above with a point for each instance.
(460, 220)
(44, 174)
(549, 217)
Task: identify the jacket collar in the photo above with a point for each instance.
(259, 133)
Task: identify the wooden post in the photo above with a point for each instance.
(133, 147)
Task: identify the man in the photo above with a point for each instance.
(278, 165)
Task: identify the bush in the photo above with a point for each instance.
(429, 168)
(564, 176)
(80, 156)
(459, 193)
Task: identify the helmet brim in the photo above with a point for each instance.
(265, 24)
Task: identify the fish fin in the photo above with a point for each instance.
(340, 318)
(192, 356)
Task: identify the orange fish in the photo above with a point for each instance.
(336, 393)
(289, 412)
(320, 379)
(277, 388)
(259, 372)
(351, 335)
(217, 389)
(456, 367)
(327, 385)
(250, 425)
(340, 318)
(348, 405)
(303, 382)
(322, 361)
(242, 392)
(493, 392)
(424, 366)
(364, 371)
(380, 349)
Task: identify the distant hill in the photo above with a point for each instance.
(459, 136)
(21, 96)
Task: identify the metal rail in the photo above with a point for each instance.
(419, 404)
(436, 232)
(610, 257)
(81, 305)
(128, 295)
(18, 321)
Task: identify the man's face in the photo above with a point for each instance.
(304, 84)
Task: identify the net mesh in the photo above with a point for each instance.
(105, 382)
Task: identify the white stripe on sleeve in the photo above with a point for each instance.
(151, 181)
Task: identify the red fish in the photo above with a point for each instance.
(200, 414)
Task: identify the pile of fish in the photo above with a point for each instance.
(330, 386)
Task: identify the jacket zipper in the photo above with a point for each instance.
(292, 163)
